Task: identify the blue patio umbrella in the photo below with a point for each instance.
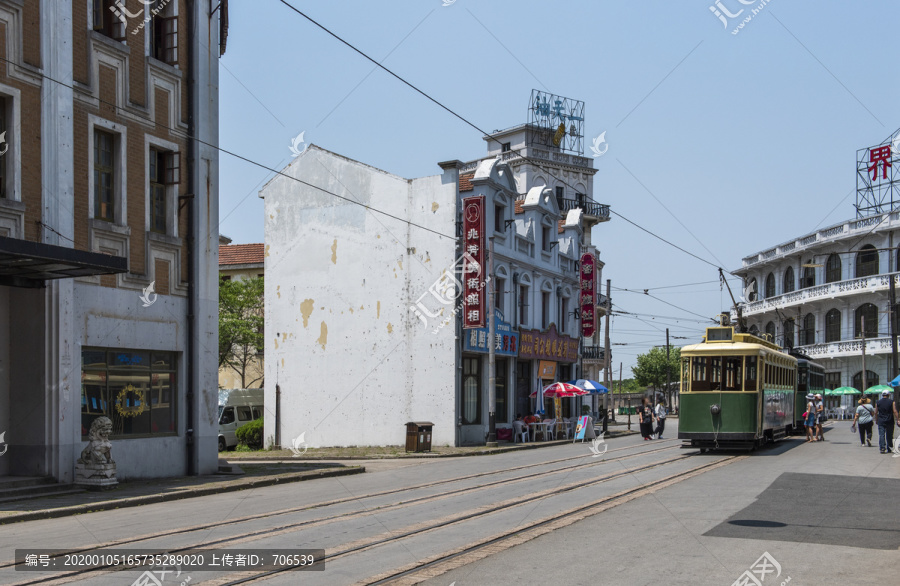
(591, 386)
(895, 382)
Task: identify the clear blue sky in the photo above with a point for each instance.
(748, 139)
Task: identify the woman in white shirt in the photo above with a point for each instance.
(865, 415)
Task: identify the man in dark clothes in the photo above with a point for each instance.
(886, 417)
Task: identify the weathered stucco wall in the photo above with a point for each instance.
(354, 364)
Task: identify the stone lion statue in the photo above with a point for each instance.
(99, 446)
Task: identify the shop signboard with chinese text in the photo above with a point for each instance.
(878, 178)
(506, 339)
(549, 345)
(474, 293)
(588, 296)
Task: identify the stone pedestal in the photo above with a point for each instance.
(96, 476)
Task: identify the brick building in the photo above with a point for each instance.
(108, 232)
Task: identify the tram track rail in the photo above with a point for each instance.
(307, 524)
(556, 520)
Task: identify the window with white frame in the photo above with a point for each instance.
(104, 175)
(523, 305)
(563, 313)
(163, 175)
(163, 31)
(545, 309)
(108, 18)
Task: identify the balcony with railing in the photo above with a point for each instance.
(846, 348)
(872, 284)
(591, 209)
(594, 353)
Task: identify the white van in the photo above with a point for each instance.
(237, 407)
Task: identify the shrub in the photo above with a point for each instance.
(251, 435)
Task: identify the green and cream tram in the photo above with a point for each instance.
(737, 391)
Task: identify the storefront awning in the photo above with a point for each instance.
(29, 264)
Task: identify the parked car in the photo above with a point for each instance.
(237, 407)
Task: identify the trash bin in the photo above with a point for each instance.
(418, 436)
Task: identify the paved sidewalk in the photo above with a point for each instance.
(142, 492)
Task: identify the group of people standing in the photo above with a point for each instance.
(884, 414)
(647, 415)
(813, 418)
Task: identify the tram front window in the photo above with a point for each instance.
(733, 373)
(750, 369)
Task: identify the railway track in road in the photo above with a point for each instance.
(246, 537)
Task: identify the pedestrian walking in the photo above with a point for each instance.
(886, 417)
(645, 416)
(820, 417)
(865, 417)
(660, 418)
(809, 418)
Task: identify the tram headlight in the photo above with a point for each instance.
(715, 409)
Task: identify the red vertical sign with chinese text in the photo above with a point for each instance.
(588, 295)
(474, 294)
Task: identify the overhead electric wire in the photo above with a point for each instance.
(473, 125)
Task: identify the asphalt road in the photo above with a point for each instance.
(638, 513)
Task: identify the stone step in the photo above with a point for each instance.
(29, 492)
(227, 468)
(24, 481)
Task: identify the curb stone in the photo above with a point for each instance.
(201, 490)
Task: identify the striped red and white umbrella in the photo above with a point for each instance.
(561, 390)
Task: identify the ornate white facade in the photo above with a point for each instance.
(819, 292)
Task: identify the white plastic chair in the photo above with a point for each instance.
(520, 431)
(550, 430)
(565, 427)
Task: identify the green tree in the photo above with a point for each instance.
(651, 367)
(629, 385)
(241, 322)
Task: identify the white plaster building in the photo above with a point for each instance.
(349, 362)
(823, 284)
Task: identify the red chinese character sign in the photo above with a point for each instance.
(878, 179)
(588, 297)
(474, 294)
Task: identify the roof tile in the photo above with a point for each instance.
(241, 254)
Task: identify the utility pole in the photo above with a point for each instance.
(607, 372)
(620, 386)
(492, 363)
(668, 375)
(862, 333)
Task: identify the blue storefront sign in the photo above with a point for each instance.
(506, 339)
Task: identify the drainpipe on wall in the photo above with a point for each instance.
(191, 238)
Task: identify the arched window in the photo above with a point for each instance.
(833, 269)
(833, 326)
(809, 276)
(866, 261)
(872, 380)
(808, 332)
(751, 292)
(770, 329)
(788, 333)
(770, 286)
(869, 313)
(788, 280)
